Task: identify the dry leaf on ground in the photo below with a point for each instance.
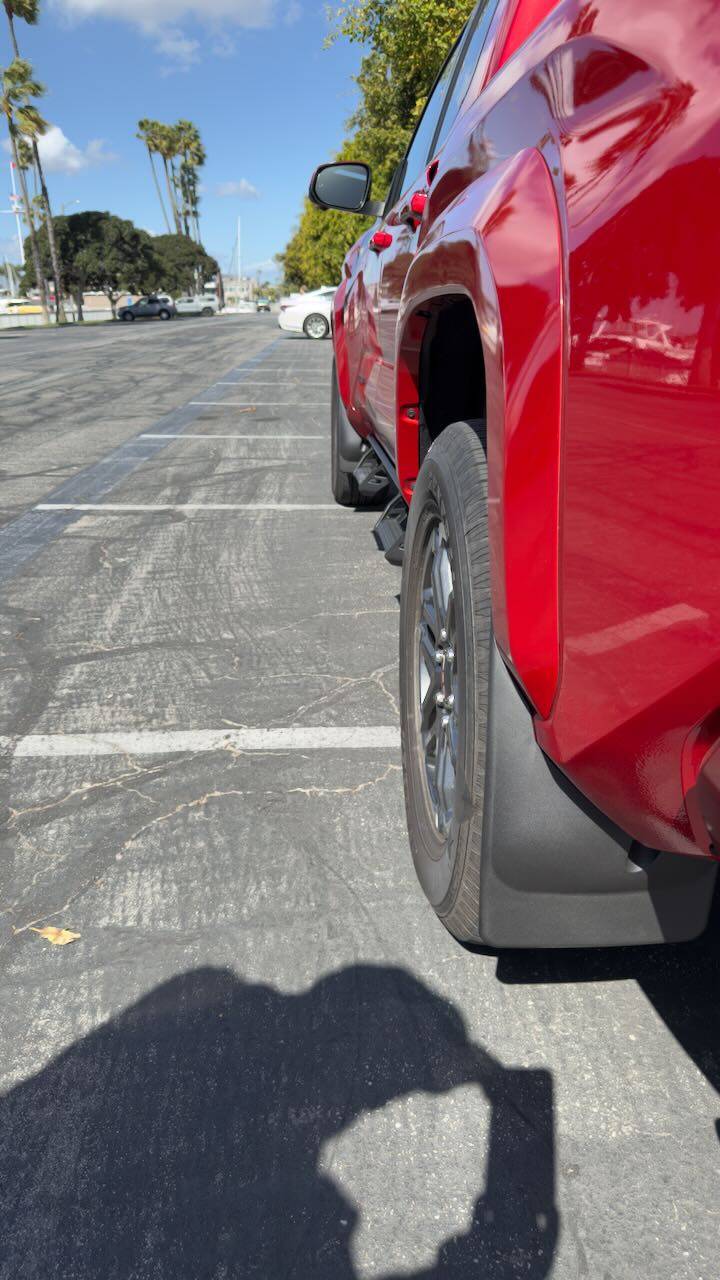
(58, 937)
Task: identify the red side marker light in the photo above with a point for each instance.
(380, 240)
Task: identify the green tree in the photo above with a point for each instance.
(315, 253)
(101, 251)
(407, 42)
(181, 265)
(29, 11)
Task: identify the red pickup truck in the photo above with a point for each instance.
(527, 357)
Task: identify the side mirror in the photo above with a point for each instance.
(344, 186)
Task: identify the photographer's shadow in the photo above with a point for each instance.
(183, 1139)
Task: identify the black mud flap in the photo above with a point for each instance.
(350, 445)
(555, 872)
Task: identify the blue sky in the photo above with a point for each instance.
(269, 100)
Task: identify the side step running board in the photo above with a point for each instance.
(389, 532)
(370, 476)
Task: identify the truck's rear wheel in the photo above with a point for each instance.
(445, 637)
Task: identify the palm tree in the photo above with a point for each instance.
(193, 158)
(23, 121)
(147, 133)
(29, 11)
(167, 146)
(182, 153)
(25, 159)
(27, 164)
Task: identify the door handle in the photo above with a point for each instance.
(432, 171)
(380, 240)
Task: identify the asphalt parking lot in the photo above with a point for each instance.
(263, 1056)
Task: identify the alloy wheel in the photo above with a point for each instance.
(316, 326)
(437, 678)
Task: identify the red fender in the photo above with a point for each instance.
(500, 245)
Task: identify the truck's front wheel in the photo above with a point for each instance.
(445, 636)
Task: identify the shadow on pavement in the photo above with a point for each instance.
(681, 982)
(182, 1139)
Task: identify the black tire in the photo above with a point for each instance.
(447, 533)
(206, 311)
(127, 315)
(164, 315)
(318, 324)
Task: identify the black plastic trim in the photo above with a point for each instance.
(389, 532)
(386, 460)
(350, 444)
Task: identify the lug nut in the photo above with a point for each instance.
(443, 635)
(440, 699)
(450, 701)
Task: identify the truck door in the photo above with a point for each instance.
(402, 220)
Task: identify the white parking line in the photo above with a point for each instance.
(188, 435)
(272, 382)
(168, 742)
(264, 404)
(189, 506)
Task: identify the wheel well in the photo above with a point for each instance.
(452, 369)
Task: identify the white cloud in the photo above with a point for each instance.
(59, 155)
(223, 45)
(160, 19)
(180, 48)
(242, 190)
(154, 15)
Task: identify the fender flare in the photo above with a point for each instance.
(500, 244)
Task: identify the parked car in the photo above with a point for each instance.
(20, 307)
(554, 502)
(243, 307)
(152, 307)
(263, 304)
(308, 313)
(197, 305)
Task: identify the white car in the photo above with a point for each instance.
(198, 305)
(308, 313)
